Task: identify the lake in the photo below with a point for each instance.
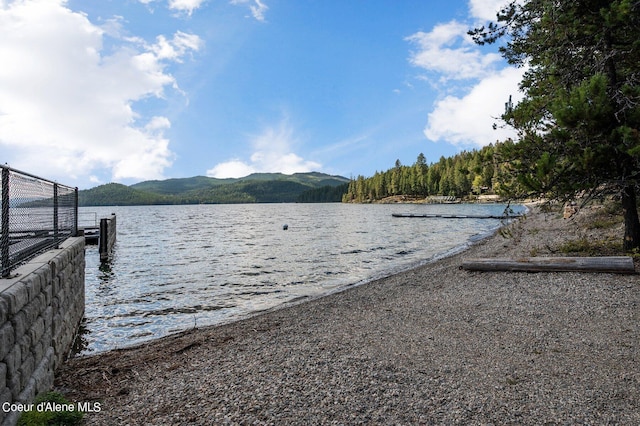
(179, 267)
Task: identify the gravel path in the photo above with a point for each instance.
(434, 345)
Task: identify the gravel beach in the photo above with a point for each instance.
(433, 345)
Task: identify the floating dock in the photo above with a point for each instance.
(91, 235)
(89, 226)
(102, 233)
(455, 216)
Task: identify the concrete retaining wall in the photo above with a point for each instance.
(40, 310)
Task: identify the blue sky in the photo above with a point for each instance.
(98, 91)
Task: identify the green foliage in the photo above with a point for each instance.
(460, 176)
(260, 188)
(50, 417)
(273, 191)
(586, 247)
(178, 186)
(580, 117)
(117, 194)
(605, 223)
(324, 194)
(612, 208)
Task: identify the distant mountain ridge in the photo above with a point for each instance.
(255, 188)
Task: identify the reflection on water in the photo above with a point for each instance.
(176, 267)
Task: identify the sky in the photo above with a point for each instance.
(99, 91)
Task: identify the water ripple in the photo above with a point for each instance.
(176, 267)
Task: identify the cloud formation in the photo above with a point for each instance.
(185, 5)
(485, 10)
(468, 120)
(448, 54)
(257, 8)
(63, 98)
(272, 152)
(180, 6)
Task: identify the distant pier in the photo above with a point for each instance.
(456, 216)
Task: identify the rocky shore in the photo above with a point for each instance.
(434, 345)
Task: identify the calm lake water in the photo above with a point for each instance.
(176, 267)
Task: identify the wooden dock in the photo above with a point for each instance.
(103, 235)
(91, 235)
(88, 225)
(455, 216)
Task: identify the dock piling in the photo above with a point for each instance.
(107, 237)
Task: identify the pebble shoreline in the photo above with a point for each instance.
(433, 345)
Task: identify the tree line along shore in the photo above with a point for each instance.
(464, 175)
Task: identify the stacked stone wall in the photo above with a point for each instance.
(41, 306)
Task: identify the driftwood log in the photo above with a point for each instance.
(615, 264)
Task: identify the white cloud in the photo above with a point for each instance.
(177, 47)
(231, 169)
(180, 6)
(66, 109)
(271, 153)
(486, 10)
(468, 120)
(257, 7)
(449, 51)
(183, 5)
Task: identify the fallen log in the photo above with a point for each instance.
(615, 264)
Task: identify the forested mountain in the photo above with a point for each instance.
(256, 188)
(181, 185)
(466, 173)
(324, 194)
(118, 194)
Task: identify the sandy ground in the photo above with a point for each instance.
(434, 345)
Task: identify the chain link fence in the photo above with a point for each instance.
(37, 215)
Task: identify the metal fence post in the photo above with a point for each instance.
(55, 215)
(75, 219)
(4, 234)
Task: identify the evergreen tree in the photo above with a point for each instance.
(458, 175)
(420, 170)
(579, 121)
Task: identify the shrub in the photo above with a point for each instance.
(586, 247)
(50, 417)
